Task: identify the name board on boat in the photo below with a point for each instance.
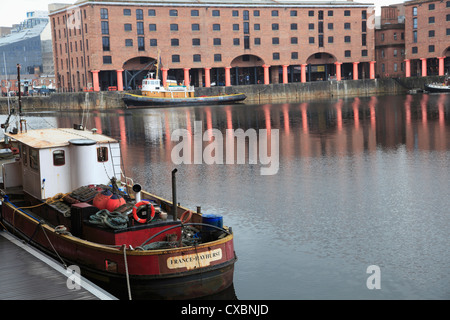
(195, 260)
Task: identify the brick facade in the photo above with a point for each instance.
(98, 44)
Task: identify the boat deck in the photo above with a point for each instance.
(26, 274)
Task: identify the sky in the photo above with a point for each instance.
(14, 11)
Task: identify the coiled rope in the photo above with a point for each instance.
(114, 220)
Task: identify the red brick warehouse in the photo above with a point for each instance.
(427, 37)
(113, 43)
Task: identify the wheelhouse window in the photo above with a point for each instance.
(34, 159)
(102, 154)
(59, 158)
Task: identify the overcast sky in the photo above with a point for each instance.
(14, 11)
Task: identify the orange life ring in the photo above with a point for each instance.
(188, 218)
(135, 209)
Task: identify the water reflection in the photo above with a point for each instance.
(362, 181)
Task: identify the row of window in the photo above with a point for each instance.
(59, 156)
(176, 58)
(431, 7)
(431, 20)
(175, 42)
(235, 13)
(152, 27)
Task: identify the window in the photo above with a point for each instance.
(59, 158)
(293, 13)
(364, 26)
(153, 42)
(395, 35)
(152, 27)
(293, 26)
(275, 26)
(276, 56)
(347, 26)
(320, 40)
(174, 42)
(107, 59)
(175, 58)
(195, 27)
(140, 27)
(194, 13)
(34, 159)
(256, 13)
(246, 15)
(414, 23)
(311, 26)
(448, 32)
(173, 13)
(236, 41)
(414, 50)
(395, 52)
(347, 39)
(216, 27)
(235, 13)
(246, 28)
(24, 155)
(216, 13)
(347, 53)
(256, 26)
(347, 13)
(414, 11)
(197, 58)
(217, 57)
(127, 27)
(103, 13)
(105, 43)
(128, 42)
(320, 15)
(257, 41)
(431, 33)
(415, 36)
(275, 40)
(364, 14)
(294, 55)
(294, 40)
(430, 19)
(105, 27)
(311, 13)
(102, 154)
(141, 43)
(330, 39)
(431, 48)
(395, 67)
(330, 26)
(311, 40)
(217, 41)
(431, 6)
(448, 4)
(330, 13)
(448, 17)
(235, 27)
(274, 13)
(139, 14)
(151, 12)
(173, 27)
(127, 12)
(364, 39)
(364, 53)
(196, 42)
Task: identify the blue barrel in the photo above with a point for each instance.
(213, 220)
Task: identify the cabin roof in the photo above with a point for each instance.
(54, 138)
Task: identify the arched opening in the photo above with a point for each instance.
(136, 69)
(320, 67)
(247, 69)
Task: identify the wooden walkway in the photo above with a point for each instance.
(27, 274)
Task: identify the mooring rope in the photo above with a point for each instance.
(126, 270)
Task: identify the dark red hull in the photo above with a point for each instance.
(178, 273)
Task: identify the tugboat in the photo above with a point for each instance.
(64, 192)
(153, 93)
(439, 87)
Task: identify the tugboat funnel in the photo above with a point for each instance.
(137, 192)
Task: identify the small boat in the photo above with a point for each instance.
(439, 87)
(65, 193)
(154, 94)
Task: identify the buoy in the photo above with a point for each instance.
(101, 199)
(114, 202)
